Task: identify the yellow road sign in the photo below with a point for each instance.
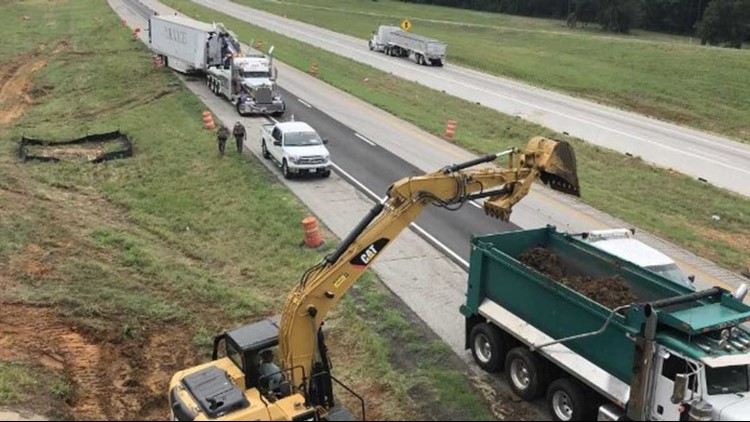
(405, 25)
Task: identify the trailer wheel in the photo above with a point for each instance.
(566, 401)
(488, 346)
(526, 374)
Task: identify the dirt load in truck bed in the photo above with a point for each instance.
(611, 292)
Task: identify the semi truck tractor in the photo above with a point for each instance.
(631, 346)
(211, 50)
(395, 42)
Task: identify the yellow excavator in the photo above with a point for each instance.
(231, 387)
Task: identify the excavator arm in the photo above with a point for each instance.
(323, 285)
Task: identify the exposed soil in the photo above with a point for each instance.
(611, 292)
(112, 377)
(15, 82)
(67, 152)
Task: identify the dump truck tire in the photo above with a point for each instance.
(526, 373)
(566, 401)
(488, 346)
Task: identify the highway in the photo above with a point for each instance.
(717, 160)
(402, 149)
(371, 149)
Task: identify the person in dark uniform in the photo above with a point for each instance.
(239, 136)
(221, 136)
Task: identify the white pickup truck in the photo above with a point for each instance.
(623, 244)
(297, 148)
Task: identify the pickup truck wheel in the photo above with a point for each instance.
(525, 372)
(285, 170)
(264, 151)
(488, 347)
(566, 401)
(326, 174)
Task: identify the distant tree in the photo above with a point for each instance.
(619, 15)
(675, 16)
(587, 11)
(725, 22)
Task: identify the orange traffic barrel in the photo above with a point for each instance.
(312, 232)
(450, 129)
(208, 120)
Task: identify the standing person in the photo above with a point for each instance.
(221, 136)
(239, 136)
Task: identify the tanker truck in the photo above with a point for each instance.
(212, 51)
(601, 338)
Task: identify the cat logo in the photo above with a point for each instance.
(405, 25)
(366, 255)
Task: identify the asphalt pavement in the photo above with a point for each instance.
(715, 159)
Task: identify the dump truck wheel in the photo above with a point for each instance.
(566, 401)
(488, 346)
(525, 372)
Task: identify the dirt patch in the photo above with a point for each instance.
(737, 240)
(13, 93)
(15, 82)
(112, 377)
(94, 148)
(611, 292)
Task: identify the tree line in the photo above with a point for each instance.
(716, 22)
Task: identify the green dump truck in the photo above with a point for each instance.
(655, 351)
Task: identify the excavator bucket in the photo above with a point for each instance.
(556, 162)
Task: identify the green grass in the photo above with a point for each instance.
(173, 241)
(655, 74)
(425, 366)
(20, 383)
(672, 206)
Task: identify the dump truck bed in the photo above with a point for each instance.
(546, 309)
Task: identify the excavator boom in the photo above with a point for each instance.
(232, 388)
(324, 284)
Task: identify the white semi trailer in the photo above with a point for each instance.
(395, 42)
(193, 47)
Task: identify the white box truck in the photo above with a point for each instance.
(190, 46)
(395, 42)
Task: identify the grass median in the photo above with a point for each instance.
(671, 205)
(667, 77)
(114, 276)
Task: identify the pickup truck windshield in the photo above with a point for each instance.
(255, 74)
(302, 139)
(727, 380)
